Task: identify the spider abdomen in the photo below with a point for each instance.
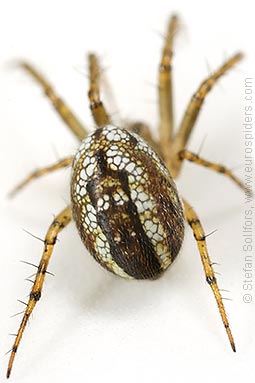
(125, 204)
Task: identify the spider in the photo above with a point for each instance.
(124, 200)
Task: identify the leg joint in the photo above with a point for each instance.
(14, 349)
(181, 154)
(35, 295)
(50, 243)
(211, 280)
(57, 223)
(193, 221)
(199, 238)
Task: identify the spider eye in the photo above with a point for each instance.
(125, 204)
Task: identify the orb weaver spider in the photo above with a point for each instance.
(123, 196)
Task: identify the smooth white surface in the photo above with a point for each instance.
(91, 326)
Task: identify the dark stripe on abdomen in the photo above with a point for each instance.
(130, 247)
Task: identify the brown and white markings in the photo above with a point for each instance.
(123, 197)
(125, 204)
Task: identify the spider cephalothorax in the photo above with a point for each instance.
(123, 198)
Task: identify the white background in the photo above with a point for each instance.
(92, 326)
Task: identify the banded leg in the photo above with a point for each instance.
(199, 235)
(61, 107)
(59, 223)
(192, 113)
(96, 105)
(192, 157)
(41, 172)
(165, 87)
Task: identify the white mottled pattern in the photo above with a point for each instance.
(120, 155)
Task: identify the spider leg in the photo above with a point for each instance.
(96, 105)
(192, 112)
(61, 107)
(41, 172)
(192, 157)
(59, 223)
(165, 87)
(200, 236)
